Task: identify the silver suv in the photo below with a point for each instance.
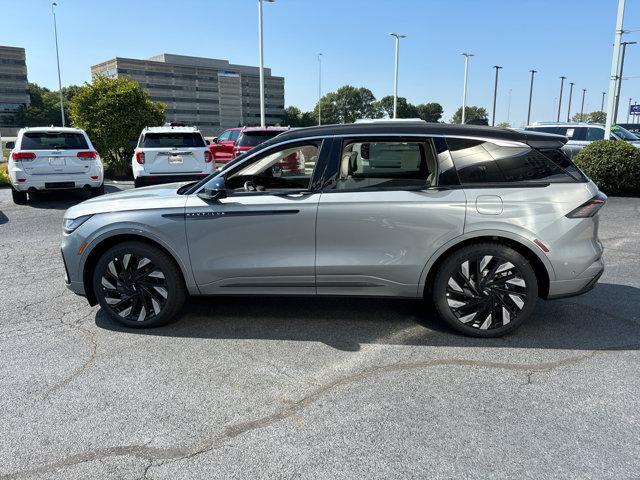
(481, 221)
(579, 135)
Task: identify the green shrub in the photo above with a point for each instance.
(4, 174)
(614, 165)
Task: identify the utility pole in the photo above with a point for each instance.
(614, 68)
(495, 94)
(602, 106)
(55, 30)
(261, 48)
(584, 91)
(319, 88)
(624, 51)
(571, 84)
(562, 79)
(464, 88)
(629, 110)
(533, 72)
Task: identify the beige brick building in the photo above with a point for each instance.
(13, 87)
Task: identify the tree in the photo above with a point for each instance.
(348, 104)
(471, 113)
(44, 107)
(504, 125)
(294, 117)
(598, 117)
(113, 112)
(430, 112)
(404, 108)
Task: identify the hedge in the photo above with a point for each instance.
(614, 165)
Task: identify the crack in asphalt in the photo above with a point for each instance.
(168, 454)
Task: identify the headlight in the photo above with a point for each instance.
(70, 224)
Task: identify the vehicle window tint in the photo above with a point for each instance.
(576, 133)
(251, 139)
(524, 164)
(594, 134)
(172, 140)
(53, 141)
(557, 156)
(554, 130)
(283, 169)
(233, 135)
(386, 165)
(224, 136)
(473, 161)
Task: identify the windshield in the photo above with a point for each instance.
(53, 141)
(250, 139)
(623, 133)
(172, 140)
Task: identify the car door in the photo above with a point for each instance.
(381, 215)
(260, 238)
(222, 148)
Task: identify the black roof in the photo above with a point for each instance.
(422, 128)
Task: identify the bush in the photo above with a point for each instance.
(614, 165)
(4, 174)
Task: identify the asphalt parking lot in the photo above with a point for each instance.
(312, 388)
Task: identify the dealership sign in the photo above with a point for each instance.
(634, 109)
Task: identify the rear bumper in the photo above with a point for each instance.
(157, 179)
(578, 286)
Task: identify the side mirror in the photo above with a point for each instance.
(10, 145)
(215, 190)
(214, 140)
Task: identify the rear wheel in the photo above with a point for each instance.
(96, 192)
(485, 290)
(19, 198)
(137, 183)
(138, 285)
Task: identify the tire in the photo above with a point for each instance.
(130, 282)
(137, 183)
(96, 192)
(505, 298)
(19, 198)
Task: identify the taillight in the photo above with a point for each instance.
(207, 156)
(140, 157)
(89, 155)
(589, 208)
(23, 155)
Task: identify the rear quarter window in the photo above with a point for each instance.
(473, 162)
(53, 141)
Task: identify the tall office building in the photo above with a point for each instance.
(13, 87)
(208, 93)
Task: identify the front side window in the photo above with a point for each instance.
(224, 136)
(289, 168)
(233, 135)
(53, 141)
(386, 165)
(173, 140)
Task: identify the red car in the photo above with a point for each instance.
(253, 136)
(222, 147)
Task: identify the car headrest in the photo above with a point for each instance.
(349, 164)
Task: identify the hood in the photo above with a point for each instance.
(157, 196)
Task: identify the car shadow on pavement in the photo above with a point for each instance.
(63, 199)
(3, 218)
(606, 318)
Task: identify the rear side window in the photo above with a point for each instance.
(479, 162)
(53, 141)
(594, 134)
(248, 139)
(172, 140)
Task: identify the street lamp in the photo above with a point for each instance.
(602, 105)
(261, 48)
(571, 84)
(614, 68)
(562, 79)
(464, 88)
(629, 109)
(584, 91)
(319, 88)
(533, 72)
(495, 94)
(55, 30)
(397, 36)
(624, 51)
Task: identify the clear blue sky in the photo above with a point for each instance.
(556, 37)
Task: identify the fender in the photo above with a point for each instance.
(525, 242)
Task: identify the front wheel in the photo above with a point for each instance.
(485, 290)
(138, 285)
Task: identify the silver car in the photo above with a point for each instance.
(480, 221)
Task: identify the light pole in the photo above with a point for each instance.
(614, 68)
(562, 79)
(261, 48)
(533, 72)
(397, 36)
(629, 110)
(571, 84)
(464, 88)
(584, 91)
(509, 106)
(602, 105)
(495, 94)
(624, 51)
(55, 31)
(319, 88)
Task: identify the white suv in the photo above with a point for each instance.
(170, 153)
(54, 158)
